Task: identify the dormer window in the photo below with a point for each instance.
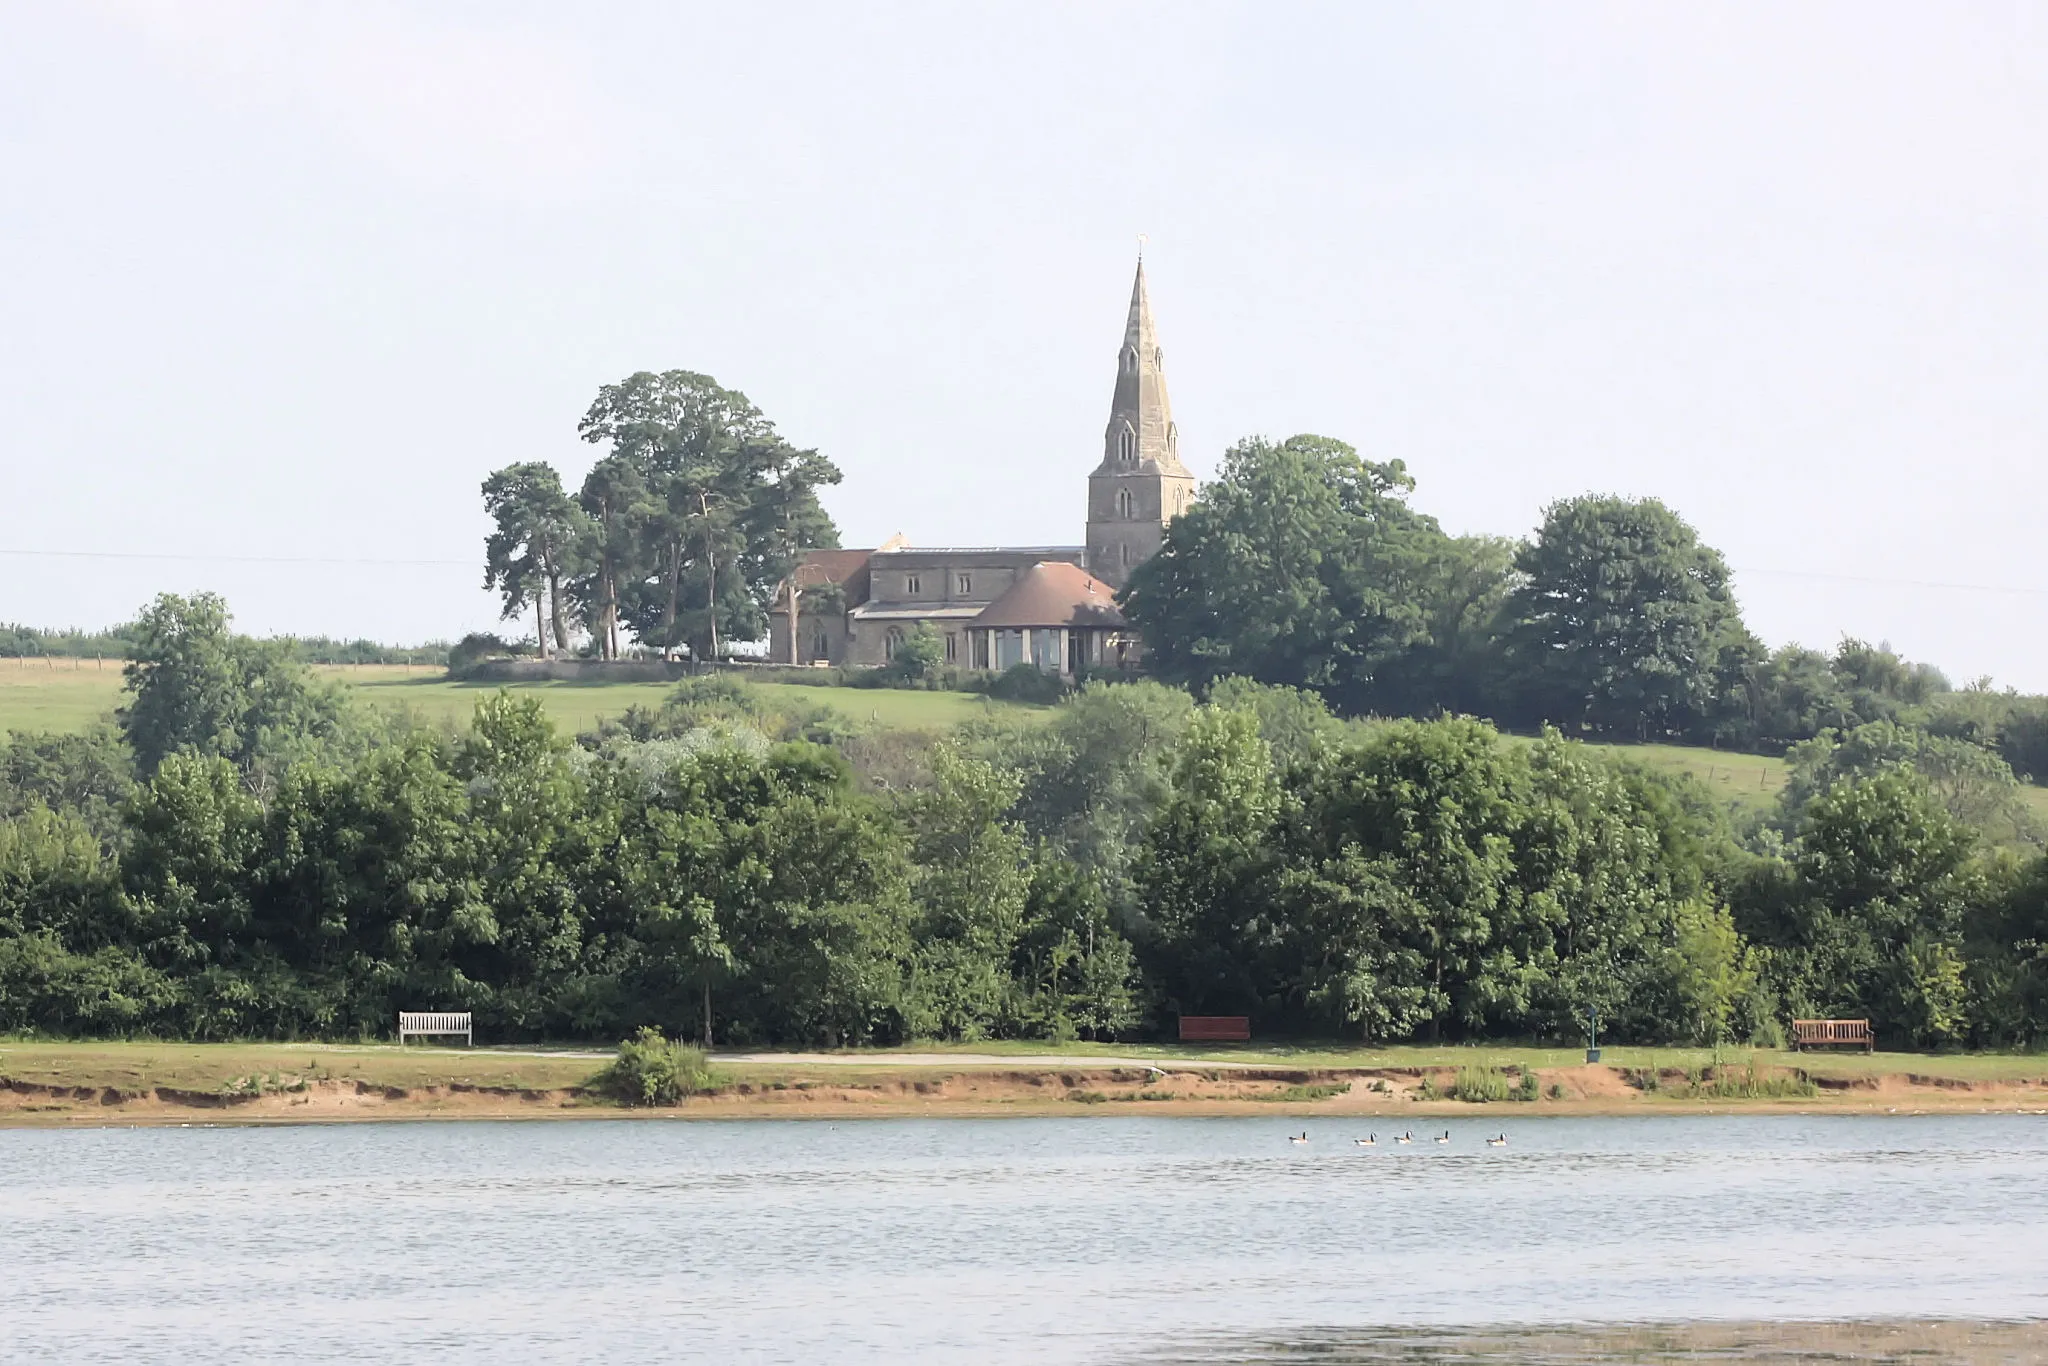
(1123, 503)
(1172, 439)
(1130, 360)
(1126, 444)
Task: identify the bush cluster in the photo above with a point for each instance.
(652, 1069)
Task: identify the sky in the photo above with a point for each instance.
(279, 285)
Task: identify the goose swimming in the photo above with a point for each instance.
(1371, 1140)
(1302, 1137)
(1404, 1137)
(1444, 1137)
(1497, 1141)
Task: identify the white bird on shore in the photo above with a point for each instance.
(1497, 1141)
(1301, 1137)
(1367, 1142)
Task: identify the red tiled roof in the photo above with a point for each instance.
(846, 568)
(838, 565)
(1053, 593)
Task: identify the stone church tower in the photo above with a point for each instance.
(1141, 484)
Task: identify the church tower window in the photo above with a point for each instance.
(1123, 503)
(1126, 444)
(912, 585)
(966, 585)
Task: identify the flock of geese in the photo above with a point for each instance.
(1499, 1140)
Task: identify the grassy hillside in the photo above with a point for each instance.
(70, 694)
(1750, 780)
(35, 696)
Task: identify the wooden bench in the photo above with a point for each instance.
(1825, 1033)
(437, 1023)
(1215, 1028)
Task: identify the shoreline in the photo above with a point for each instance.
(810, 1087)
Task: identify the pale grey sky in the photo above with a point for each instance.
(284, 282)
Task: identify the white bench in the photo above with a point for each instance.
(435, 1022)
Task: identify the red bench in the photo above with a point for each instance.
(1215, 1028)
(1823, 1033)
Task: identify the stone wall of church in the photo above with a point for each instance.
(1127, 517)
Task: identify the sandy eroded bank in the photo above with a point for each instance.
(799, 1088)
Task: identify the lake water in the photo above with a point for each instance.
(1097, 1239)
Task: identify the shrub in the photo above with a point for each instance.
(1027, 683)
(1479, 1085)
(1527, 1090)
(651, 1069)
(920, 653)
(473, 649)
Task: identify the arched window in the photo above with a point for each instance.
(892, 641)
(821, 645)
(1123, 503)
(1126, 444)
(1172, 439)
(1130, 360)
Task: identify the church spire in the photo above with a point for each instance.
(1141, 431)
(1141, 484)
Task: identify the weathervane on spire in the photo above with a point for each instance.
(1141, 246)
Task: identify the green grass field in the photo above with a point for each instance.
(69, 695)
(1751, 780)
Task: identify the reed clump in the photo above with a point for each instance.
(1748, 1083)
(1305, 1093)
(1480, 1085)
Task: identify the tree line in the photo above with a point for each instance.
(1305, 564)
(118, 643)
(248, 852)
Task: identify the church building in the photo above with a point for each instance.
(997, 606)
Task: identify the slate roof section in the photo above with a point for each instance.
(1053, 593)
